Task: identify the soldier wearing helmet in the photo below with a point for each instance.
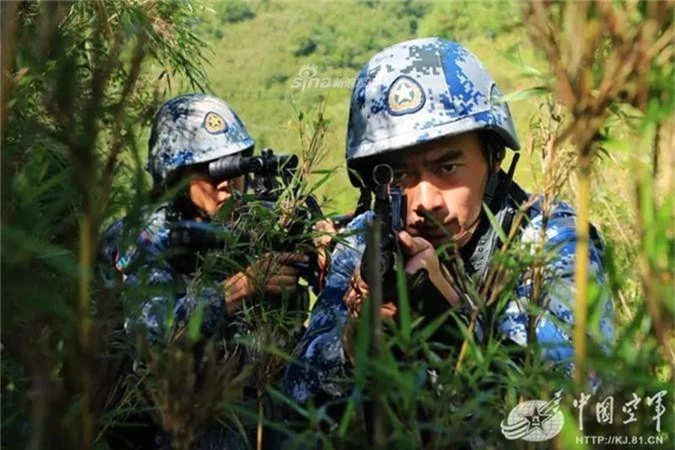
(430, 110)
(188, 133)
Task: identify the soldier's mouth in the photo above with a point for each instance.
(223, 201)
(431, 233)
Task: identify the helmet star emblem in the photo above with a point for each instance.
(214, 123)
(405, 96)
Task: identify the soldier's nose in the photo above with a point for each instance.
(223, 185)
(428, 197)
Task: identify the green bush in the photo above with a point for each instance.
(233, 11)
(463, 20)
(304, 47)
(84, 77)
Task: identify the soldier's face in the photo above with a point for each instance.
(209, 197)
(444, 181)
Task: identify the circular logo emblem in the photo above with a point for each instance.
(405, 96)
(214, 123)
(534, 421)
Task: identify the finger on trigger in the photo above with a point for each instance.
(407, 243)
(412, 245)
(282, 280)
(286, 269)
(288, 257)
(388, 310)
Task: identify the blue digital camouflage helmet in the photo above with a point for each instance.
(420, 90)
(193, 129)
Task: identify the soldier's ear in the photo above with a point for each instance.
(494, 150)
(499, 154)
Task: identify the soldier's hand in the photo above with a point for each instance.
(356, 295)
(421, 254)
(355, 298)
(273, 274)
(325, 232)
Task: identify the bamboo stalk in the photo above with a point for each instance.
(581, 267)
(9, 22)
(375, 302)
(259, 436)
(84, 327)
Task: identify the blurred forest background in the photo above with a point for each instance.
(590, 86)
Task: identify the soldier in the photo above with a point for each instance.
(188, 133)
(430, 110)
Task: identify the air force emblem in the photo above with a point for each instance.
(534, 420)
(405, 96)
(214, 123)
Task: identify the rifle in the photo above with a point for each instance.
(390, 214)
(189, 239)
(390, 210)
(265, 169)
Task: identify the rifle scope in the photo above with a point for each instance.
(234, 166)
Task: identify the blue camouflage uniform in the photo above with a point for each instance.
(159, 295)
(322, 363)
(406, 95)
(187, 130)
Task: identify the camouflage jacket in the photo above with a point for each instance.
(321, 366)
(157, 295)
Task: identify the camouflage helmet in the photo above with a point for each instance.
(192, 129)
(420, 90)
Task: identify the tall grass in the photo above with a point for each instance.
(81, 80)
(602, 57)
(73, 98)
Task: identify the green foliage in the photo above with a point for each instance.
(233, 11)
(340, 43)
(464, 20)
(77, 95)
(86, 78)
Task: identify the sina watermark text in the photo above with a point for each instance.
(308, 78)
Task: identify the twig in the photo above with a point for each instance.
(9, 20)
(375, 302)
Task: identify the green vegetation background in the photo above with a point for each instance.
(261, 51)
(60, 188)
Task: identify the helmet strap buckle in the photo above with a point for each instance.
(492, 190)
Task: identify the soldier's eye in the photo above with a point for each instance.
(400, 177)
(446, 169)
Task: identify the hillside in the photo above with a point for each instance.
(278, 58)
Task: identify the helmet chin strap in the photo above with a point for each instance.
(492, 191)
(470, 229)
(494, 196)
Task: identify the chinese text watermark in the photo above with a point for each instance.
(539, 420)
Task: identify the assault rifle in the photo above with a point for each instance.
(390, 212)
(270, 174)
